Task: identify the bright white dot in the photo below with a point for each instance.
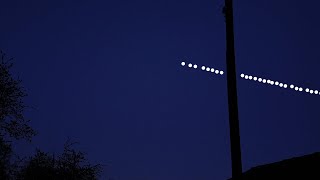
(203, 67)
(255, 78)
(300, 89)
(260, 79)
(190, 65)
(183, 63)
(311, 91)
(212, 70)
(264, 80)
(291, 86)
(242, 75)
(195, 66)
(285, 85)
(250, 77)
(307, 90)
(246, 76)
(268, 81)
(271, 82)
(221, 72)
(276, 83)
(296, 88)
(217, 71)
(281, 85)
(316, 92)
(208, 69)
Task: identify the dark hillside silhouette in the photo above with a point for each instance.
(304, 167)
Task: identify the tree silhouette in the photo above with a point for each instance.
(13, 124)
(5, 155)
(12, 120)
(70, 165)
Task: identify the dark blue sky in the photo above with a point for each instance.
(108, 74)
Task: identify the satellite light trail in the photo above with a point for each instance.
(280, 84)
(256, 79)
(203, 68)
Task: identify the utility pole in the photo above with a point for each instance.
(232, 93)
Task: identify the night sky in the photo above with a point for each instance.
(108, 75)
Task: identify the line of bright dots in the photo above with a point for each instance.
(204, 68)
(254, 78)
(280, 84)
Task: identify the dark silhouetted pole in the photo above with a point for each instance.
(232, 93)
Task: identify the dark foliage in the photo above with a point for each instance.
(13, 124)
(12, 121)
(5, 155)
(70, 165)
